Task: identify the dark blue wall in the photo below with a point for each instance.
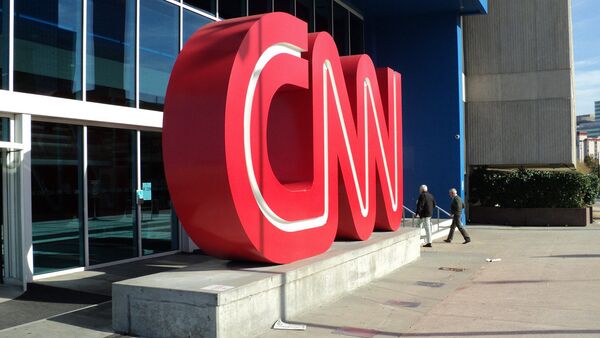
(427, 51)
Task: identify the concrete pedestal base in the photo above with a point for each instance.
(227, 299)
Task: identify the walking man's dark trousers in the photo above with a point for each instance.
(456, 223)
(456, 208)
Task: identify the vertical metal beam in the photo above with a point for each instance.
(22, 195)
(11, 45)
(4, 214)
(86, 226)
(137, 54)
(84, 52)
(138, 208)
(180, 27)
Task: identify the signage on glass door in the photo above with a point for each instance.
(274, 145)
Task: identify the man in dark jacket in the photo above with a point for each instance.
(456, 208)
(425, 206)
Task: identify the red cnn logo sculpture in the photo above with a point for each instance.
(260, 117)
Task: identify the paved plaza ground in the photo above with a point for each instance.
(546, 284)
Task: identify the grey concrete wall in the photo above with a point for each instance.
(519, 84)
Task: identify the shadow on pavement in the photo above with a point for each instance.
(42, 301)
(372, 332)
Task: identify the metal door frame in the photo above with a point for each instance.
(12, 152)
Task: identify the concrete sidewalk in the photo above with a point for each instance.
(547, 284)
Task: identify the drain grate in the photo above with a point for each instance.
(445, 268)
(356, 332)
(430, 284)
(402, 303)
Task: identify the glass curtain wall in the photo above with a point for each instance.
(4, 129)
(111, 52)
(3, 44)
(305, 11)
(192, 22)
(158, 222)
(357, 35)
(286, 6)
(323, 16)
(56, 196)
(159, 46)
(209, 6)
(48, 43)
(259, 7)
(112, 182)
(341, 31)
(232, 8)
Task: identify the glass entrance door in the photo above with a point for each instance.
(4, 136)
(2, 216)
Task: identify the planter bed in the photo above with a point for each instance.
(530, 216)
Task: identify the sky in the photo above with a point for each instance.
(586, 46)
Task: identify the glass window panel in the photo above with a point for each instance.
(48, 38)
(159, 225)
(111, 52)
(4, 132)
(111, 188)
(286, 6)
(159, 46)
(341, 31)
(191, 23)
(3, 44)
(232, 8)
(304, 11)
(323, 18)
(56, 199)
(357, 35)
(205, 5)
(259, 6)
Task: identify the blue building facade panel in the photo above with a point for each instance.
(423, 41)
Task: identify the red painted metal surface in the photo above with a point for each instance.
(260, 117)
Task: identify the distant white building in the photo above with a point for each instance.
(587, 146)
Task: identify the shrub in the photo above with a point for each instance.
(526, 188)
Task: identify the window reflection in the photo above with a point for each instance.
(48, 47)
(286, 6)
(341, 31)
(159, 225)
(232, 8)
(304, 11)
(4, 131)
(56, 197)
(191, 23)
(3, 45)
(357, 35)
(111, 188)
(259, 7)
(159, 46)
(111, 52)
(205, 5)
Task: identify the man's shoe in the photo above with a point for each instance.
(448, 240)
(467, 241)
(428, 245)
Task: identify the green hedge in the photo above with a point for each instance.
(526, 188)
